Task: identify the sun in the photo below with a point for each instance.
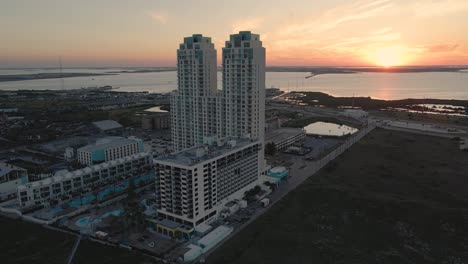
(389, 56)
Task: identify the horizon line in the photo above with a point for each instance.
(282, 66)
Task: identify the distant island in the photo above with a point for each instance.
(145, 70)
(312, 70)
(347, 70)
(326, 70)
(39, 76)
(367, 103)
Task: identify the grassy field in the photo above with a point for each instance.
(23, 242)
(28, 243)
(392, 198)
(93, 253)
(298, 120)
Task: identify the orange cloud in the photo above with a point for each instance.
(441, 47)
(159, 17)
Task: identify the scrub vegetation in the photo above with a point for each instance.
(394, 197)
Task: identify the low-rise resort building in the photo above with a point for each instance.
(109, 148)
(10, 178)
(64, 184)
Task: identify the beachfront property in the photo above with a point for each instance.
(10, 178)
(193, 185)
(218, 137)
(199, 110)
(64, 184)
(194, 104)
(109, 148)
(244, 86)
(285, 137)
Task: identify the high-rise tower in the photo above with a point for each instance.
(193, 105)
(217, 137)
(244, 86)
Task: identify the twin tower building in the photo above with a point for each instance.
(200, 110)
(217, 135)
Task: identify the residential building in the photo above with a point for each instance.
(194, 184)
(285, 137)
(65, 183)
(199, 110)
(244, 86)
(10, 178)
(194, 104)
(109, 148)
(217, 137)
(156, 121)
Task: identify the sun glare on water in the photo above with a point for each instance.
(389, 56)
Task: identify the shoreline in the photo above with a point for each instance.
(312, 70)
(368, 103)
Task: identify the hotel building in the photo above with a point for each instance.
(194, 104)
(218, 136)
(191, 184)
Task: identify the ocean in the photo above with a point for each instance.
(441, 85)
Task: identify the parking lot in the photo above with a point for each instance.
(152, 242)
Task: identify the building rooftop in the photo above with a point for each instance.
(108, 142)
(7, 168)
(202, 228)
(278, 172)
(199, 154)
(156, 109)
(107, 125)
(170, 224)
(192, 253)
(283, 133)
(215, 236)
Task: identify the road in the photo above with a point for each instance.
(384, 123)
(314, 111)
(75, 247)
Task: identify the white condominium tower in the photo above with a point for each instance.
(193, 105)
(244, 86)
(218, 137)
(199, 110)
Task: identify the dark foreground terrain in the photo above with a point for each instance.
(392, 198)
(22, 242)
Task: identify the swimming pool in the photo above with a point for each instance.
(56, 210)
(87, 221)
(108, 190)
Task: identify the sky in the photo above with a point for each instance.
(145, 33)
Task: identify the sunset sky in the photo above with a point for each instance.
(35, 33)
